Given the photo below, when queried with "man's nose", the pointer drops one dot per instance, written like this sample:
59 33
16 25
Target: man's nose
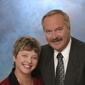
54 34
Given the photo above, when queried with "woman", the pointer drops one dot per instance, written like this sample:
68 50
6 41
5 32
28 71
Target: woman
25 55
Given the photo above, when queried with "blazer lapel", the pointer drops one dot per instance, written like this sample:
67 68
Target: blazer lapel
51 69
12 78
49 65
73 68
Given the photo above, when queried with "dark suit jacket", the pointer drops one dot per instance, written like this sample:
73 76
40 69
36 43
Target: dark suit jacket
75 74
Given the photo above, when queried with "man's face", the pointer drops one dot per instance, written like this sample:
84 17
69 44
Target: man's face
56 31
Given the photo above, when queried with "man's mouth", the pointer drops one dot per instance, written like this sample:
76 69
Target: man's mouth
56 40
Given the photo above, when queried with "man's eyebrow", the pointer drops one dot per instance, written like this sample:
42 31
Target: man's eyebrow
60 27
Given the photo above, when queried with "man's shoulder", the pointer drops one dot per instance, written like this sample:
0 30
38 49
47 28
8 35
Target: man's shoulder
78 47
46 50
46 46
78 42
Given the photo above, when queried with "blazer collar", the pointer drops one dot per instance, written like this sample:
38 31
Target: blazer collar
12 78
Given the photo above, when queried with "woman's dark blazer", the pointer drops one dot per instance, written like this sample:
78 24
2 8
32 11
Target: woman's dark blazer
12 80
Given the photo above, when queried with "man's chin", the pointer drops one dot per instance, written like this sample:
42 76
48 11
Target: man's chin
56 47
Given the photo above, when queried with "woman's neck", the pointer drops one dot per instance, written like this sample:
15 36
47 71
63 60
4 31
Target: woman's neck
23 79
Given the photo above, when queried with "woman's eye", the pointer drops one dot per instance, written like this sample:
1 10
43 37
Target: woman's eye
35 57
24 55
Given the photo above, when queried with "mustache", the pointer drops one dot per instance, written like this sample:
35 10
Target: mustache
56 39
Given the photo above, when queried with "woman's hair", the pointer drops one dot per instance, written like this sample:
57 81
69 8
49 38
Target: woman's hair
26 43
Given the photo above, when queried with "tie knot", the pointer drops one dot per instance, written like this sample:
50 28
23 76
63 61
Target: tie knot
59 56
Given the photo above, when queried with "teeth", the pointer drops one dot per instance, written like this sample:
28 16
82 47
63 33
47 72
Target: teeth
27 66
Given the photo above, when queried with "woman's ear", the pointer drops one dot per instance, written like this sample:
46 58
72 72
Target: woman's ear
14 58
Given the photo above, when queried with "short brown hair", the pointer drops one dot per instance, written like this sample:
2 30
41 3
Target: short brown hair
26 43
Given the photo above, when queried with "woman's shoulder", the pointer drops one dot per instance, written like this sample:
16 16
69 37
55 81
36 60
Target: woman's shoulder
38 81
5 82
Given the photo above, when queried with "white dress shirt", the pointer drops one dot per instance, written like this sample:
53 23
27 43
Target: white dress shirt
65 54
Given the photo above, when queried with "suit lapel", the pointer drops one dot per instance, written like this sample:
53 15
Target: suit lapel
73 66
50 67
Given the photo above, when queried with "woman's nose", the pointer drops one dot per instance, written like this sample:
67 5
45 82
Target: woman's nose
29 60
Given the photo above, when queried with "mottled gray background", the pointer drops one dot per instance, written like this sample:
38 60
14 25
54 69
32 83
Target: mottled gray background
23 17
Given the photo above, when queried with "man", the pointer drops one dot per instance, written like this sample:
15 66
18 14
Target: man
56 26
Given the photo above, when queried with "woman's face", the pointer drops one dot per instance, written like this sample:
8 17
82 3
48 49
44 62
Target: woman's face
26 61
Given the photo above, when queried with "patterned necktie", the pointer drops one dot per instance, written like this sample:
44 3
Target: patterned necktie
60 70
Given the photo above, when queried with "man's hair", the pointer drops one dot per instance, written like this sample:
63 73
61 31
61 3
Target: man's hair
26 43
54 12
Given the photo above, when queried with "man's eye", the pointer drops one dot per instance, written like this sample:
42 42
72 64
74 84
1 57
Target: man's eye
48 31
59 29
